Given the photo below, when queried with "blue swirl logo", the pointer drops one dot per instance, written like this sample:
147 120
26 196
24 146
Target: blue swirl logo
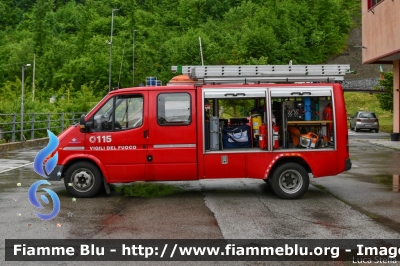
44 163
34 201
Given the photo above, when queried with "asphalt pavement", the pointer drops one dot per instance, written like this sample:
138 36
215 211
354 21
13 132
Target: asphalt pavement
372 185
380 139
359 203
384 143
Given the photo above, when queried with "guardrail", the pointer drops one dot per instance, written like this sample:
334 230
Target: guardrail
34 125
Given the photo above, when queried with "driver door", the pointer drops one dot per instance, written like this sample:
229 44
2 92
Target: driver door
118 138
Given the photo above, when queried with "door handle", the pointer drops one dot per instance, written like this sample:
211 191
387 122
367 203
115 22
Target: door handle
301 93
149 158
145 134
235 94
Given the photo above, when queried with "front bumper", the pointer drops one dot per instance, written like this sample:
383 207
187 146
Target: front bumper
56 174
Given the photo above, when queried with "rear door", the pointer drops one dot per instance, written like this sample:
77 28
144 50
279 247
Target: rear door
367 119
118 137
172 136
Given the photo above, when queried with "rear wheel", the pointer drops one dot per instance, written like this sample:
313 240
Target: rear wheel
290 181
356 129
83 180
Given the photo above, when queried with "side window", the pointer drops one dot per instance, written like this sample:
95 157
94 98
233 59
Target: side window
128 112
173 109
119 113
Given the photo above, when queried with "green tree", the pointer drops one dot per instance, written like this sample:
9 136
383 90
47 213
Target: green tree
42 29
69 38
10 14
386 99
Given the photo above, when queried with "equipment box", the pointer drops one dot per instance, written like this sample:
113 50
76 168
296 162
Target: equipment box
214 133
294 115
294 111
238 121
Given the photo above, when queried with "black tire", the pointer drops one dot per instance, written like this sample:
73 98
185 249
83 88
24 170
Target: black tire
376 130
83 180
290 181
356 129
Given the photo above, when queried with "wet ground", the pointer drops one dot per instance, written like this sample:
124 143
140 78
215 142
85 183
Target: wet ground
372 185
361 203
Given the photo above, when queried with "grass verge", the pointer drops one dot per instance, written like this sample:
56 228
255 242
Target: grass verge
357 101
147 190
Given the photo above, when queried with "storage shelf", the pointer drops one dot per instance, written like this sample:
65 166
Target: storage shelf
308 123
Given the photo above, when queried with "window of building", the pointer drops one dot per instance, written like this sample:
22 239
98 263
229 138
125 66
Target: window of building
173 109
372 3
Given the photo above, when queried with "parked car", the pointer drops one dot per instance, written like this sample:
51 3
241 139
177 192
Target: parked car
364 120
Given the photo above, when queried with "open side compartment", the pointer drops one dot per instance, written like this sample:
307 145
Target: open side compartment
233 118
305 117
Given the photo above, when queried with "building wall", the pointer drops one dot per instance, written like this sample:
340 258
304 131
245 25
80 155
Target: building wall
396 96
381 37
380 29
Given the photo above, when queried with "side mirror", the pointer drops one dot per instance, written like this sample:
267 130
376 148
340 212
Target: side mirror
82 123
85 127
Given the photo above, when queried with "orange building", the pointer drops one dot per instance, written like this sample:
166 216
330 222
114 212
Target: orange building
381 42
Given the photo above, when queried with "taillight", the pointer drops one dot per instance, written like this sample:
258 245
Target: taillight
376 120
358 120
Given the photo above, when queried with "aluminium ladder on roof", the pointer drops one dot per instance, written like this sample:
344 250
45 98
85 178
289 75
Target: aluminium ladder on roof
264 73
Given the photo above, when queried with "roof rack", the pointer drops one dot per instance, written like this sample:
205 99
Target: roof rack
264 73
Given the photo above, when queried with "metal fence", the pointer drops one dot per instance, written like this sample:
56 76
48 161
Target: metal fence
34 125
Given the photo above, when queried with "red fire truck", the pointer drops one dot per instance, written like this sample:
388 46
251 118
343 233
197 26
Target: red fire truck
278 123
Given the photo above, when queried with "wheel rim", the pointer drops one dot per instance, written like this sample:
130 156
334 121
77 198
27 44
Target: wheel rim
290 181
82 180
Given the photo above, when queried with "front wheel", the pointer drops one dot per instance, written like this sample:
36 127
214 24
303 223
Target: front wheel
83 180
290 181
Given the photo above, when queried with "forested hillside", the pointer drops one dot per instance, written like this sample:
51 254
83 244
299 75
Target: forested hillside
70 40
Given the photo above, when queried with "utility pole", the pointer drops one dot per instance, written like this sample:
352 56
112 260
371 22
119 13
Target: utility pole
22 101
133 58
112 26
33 78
